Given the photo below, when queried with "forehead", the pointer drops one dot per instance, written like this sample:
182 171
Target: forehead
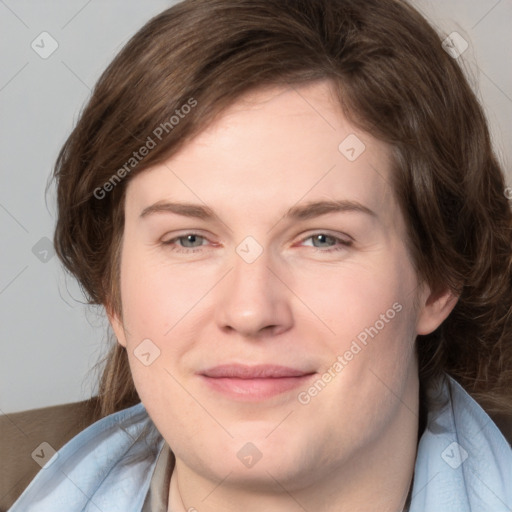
273 148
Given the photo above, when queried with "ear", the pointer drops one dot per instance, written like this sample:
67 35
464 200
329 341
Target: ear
434 309
117 326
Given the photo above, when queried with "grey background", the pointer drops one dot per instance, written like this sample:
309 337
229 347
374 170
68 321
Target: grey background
49 337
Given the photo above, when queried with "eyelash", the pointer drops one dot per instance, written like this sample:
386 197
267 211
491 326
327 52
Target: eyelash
342 244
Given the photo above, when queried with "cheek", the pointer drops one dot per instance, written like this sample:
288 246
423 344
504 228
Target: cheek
157 296
371 319
371 312
355 297
163 312
368 360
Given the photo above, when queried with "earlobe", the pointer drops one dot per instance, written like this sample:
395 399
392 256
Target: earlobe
434 310
117 326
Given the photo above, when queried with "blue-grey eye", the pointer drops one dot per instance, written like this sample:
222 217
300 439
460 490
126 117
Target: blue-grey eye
322 239
191 240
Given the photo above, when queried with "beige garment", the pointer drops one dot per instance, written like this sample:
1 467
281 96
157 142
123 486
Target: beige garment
158 493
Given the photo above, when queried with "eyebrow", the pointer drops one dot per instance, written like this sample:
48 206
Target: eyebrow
299 212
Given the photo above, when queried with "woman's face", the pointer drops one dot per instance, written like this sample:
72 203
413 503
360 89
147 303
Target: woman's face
273 238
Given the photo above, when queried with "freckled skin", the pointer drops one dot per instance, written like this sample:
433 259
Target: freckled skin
300 303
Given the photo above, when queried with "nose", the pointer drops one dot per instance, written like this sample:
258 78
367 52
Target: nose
252 300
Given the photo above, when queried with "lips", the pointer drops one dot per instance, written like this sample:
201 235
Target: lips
254 383
264 371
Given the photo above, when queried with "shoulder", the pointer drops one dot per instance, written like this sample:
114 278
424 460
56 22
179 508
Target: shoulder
24 435
464 461
106 466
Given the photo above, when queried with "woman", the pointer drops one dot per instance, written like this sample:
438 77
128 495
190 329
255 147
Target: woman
293 216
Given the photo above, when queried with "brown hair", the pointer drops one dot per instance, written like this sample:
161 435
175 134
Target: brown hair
394 80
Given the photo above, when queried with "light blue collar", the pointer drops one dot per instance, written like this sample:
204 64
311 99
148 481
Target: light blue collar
105 468
464 464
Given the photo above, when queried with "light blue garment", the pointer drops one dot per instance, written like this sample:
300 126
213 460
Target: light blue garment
464 464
